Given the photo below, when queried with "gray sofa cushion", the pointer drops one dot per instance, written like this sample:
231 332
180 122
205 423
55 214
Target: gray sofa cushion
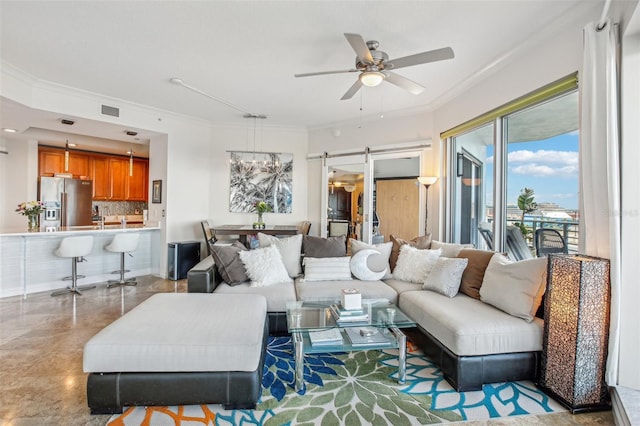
277 295
470 327
228 261
315 290
324 247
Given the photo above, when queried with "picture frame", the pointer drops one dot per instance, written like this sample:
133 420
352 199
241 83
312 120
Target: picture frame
156 192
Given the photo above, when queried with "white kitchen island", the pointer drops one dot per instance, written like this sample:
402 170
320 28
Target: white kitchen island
28 265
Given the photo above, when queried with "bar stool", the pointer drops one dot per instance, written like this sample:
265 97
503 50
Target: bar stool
123 243
75 248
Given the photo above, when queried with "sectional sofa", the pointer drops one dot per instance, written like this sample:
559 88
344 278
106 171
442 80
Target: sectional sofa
475 310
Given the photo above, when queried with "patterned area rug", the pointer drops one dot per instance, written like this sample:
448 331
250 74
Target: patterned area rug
354 388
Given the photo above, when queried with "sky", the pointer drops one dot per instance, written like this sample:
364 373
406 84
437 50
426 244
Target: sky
549 167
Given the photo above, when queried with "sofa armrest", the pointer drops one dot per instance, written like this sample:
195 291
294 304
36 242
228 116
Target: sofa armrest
203 277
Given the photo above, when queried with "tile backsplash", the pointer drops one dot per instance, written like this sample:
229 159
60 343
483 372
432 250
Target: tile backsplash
112 208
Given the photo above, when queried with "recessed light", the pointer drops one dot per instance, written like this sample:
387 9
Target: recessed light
9 130
67 122
131 133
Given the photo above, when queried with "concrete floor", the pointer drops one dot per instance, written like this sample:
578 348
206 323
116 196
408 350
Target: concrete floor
41 343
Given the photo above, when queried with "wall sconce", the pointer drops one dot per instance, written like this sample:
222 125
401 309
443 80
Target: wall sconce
460 165
576 332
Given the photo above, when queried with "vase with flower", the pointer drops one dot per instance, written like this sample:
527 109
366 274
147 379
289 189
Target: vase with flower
260 207
32 210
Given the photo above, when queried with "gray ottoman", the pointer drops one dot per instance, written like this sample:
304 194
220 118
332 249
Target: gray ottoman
180 349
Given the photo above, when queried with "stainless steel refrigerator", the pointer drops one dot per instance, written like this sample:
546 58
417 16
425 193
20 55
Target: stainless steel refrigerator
67 202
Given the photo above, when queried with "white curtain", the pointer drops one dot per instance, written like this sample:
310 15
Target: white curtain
600 165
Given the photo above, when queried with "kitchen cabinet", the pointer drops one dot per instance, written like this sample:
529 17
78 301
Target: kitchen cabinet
51 161
100 177
118 173
137 184
109 173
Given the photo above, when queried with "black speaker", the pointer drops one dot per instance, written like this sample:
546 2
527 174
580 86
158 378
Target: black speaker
182 257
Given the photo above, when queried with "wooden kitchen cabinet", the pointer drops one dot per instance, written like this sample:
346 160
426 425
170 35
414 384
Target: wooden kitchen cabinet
137 185
51 161
109 173
118 174
100 177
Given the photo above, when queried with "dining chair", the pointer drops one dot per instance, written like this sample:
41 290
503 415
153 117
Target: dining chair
208 235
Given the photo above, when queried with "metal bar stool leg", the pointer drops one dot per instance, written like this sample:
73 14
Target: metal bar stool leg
122 281
74 288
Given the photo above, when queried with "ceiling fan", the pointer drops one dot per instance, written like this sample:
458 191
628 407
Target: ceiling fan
375 67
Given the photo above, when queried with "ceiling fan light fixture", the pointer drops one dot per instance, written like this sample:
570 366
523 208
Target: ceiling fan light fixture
371 78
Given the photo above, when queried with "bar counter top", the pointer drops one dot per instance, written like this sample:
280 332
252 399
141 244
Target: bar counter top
29 265
62 230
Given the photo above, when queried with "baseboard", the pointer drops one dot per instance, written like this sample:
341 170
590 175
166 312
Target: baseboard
619 413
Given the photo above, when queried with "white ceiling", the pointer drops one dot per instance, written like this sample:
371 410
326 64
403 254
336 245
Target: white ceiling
247 53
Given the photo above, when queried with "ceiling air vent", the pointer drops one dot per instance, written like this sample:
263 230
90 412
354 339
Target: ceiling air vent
109 110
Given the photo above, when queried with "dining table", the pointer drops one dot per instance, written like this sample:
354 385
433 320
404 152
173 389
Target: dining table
243 231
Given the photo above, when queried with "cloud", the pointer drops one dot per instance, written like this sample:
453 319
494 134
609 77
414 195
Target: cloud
541 170
544 156
544 163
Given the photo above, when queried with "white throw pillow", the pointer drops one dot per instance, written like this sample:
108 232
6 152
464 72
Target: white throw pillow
327 268
515 287
414 264
376 262
289 248
264 266
445 276
359 267
449 249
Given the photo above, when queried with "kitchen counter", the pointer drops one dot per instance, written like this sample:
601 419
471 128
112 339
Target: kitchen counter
77 229
28 265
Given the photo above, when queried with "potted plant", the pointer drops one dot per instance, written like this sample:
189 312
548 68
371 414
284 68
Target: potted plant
260 207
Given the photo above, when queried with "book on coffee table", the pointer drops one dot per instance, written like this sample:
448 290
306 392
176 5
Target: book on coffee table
332 336
367 336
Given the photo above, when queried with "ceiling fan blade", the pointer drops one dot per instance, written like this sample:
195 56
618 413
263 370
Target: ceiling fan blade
404 83
421 58
352 90
309 74
357 43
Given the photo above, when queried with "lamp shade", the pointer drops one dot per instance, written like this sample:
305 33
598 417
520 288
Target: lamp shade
349 187
371 78
427 180
576 332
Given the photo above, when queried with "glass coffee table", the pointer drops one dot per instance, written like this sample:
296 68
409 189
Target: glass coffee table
311 323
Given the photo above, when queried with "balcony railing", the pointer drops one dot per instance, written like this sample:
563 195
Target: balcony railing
568 229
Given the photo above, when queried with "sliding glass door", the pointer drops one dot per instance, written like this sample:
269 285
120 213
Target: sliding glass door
516 170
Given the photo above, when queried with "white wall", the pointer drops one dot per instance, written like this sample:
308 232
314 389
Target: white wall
630 292
18 174
270 139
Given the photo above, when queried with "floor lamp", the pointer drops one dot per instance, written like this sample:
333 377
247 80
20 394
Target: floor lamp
427 181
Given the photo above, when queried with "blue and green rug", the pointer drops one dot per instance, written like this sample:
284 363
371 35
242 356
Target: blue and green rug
354 388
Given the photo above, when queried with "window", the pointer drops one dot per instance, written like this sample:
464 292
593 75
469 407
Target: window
516 169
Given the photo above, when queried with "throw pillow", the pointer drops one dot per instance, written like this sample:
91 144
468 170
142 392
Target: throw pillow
414 264
327 268
360 269
324 247
376 262
422 242
289 248
228 262
445 276
474 273
515 287
264 266
449 249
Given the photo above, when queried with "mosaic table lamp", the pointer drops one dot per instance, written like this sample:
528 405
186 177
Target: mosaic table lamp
576 332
